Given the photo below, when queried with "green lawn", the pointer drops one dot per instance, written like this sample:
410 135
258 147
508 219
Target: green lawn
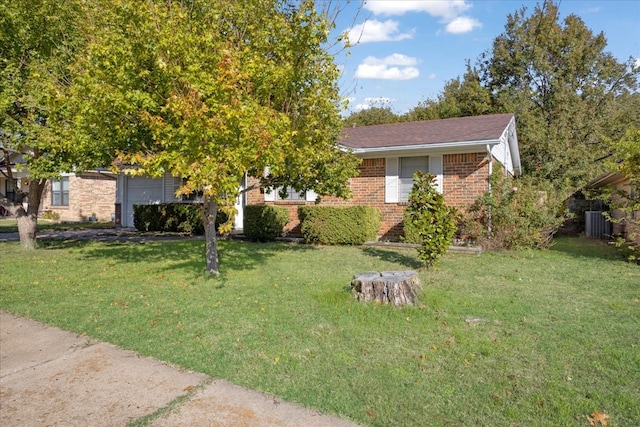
9 225
560 338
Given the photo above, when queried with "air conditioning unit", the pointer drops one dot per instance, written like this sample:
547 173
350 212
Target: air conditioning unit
596 225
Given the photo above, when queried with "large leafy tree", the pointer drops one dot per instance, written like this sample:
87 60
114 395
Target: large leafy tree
461 97
212 91
38 40
568 92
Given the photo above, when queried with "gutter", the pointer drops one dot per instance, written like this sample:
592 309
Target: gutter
441 145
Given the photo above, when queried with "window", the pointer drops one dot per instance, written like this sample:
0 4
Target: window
60 191
292 195
409 166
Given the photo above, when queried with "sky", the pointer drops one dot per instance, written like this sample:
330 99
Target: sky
405 51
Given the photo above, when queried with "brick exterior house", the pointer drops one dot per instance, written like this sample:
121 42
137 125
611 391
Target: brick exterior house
73 197
461 152
78 197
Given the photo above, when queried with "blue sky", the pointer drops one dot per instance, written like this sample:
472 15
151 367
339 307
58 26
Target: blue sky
409 49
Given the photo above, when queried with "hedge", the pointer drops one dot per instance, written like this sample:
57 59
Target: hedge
172 217
331 225
263 223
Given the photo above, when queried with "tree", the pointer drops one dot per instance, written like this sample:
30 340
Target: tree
565 90
212 91
428 221
459 98
626 160
371 116
38 39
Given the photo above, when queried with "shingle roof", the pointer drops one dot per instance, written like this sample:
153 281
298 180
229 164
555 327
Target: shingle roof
462 129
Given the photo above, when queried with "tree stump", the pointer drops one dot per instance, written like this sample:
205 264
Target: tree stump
399 288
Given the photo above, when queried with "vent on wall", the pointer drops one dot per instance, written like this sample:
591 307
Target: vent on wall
596 225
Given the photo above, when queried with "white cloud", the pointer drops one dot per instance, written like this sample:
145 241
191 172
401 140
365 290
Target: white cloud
377 31
393 67
393 59
442 9
462 24
450 12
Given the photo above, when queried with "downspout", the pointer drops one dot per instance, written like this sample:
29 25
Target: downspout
489 222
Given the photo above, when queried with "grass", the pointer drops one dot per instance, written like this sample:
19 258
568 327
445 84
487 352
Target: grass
9 225
558 340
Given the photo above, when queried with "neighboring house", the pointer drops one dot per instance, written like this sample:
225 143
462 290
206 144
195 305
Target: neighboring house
460 152
628 221
73 197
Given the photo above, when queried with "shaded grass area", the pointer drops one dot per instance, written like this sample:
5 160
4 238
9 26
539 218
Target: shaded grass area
554 335
9 225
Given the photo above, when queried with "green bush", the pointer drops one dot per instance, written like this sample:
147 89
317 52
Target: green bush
428 221
172 217
330 225
263 223
516 214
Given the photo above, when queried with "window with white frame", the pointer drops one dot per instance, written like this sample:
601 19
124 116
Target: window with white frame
60 191
292 195
407 167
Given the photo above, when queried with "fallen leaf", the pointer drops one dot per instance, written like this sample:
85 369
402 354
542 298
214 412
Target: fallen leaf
372 414
189 388
598 417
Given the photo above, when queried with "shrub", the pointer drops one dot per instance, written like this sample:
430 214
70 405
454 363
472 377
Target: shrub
330 225
263 223
516 214
428 221
52 215
171 217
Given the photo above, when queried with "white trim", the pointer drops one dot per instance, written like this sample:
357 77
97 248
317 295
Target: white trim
391 180
311 196
269 195
436 168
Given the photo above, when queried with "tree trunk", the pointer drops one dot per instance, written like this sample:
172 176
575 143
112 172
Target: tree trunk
399 288
28 219
210 212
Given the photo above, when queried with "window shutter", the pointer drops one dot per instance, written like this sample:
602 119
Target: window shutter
435 168
269 193
391 180
269 197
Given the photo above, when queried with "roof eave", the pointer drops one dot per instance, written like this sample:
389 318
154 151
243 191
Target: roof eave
435 147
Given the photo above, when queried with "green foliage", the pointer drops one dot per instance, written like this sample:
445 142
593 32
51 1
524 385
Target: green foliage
263 223
172 217
515 214
330 225
459 98
428 220
371 116
626 160
212 91
565 89
50 215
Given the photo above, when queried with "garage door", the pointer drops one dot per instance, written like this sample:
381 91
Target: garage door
140 190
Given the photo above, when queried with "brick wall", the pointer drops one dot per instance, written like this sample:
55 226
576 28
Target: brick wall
88 194
464 179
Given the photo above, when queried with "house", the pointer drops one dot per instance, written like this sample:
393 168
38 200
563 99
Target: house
626 224
73 197
460 152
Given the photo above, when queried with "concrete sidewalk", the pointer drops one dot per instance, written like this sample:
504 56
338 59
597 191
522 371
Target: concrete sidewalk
51 377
